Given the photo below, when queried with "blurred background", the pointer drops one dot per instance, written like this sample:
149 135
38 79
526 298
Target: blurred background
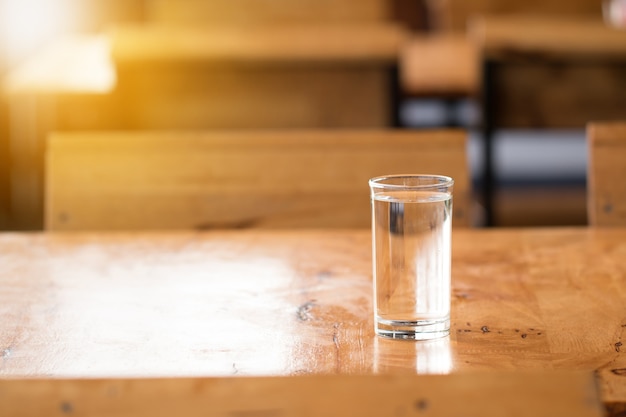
169 64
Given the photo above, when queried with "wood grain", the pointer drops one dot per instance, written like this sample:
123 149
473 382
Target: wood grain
238 179
281 303
606 167
488 394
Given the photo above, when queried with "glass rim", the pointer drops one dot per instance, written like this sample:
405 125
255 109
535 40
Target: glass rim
438 181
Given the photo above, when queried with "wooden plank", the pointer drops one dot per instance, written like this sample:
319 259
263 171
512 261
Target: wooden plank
490 394
271 98
606 199
238 179
454 15
329 43
246 12
549 38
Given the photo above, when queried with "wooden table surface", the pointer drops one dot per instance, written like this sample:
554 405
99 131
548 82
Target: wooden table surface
281 303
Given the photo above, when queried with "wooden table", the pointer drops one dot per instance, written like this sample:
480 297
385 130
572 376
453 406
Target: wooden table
546 72
284 303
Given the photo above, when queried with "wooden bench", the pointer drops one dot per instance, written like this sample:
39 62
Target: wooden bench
606 188
305 76
275 12
226 179
425 68
240 64
296 64
444 63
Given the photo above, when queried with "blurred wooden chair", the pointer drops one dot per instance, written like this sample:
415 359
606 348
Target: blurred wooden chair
606 189
445 63
533 87
227 179
250 64
439 66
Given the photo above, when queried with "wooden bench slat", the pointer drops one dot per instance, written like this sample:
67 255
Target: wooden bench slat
234 179
231 12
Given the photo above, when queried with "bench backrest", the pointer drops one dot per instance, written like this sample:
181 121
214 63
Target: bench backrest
226 179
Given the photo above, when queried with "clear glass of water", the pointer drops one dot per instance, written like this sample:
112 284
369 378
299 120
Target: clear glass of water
411 233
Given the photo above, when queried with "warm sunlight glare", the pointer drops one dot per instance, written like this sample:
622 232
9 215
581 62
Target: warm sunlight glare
29 24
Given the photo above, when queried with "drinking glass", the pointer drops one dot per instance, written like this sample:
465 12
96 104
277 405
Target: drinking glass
411 233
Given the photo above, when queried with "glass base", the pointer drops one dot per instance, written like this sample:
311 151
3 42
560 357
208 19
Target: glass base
413 330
